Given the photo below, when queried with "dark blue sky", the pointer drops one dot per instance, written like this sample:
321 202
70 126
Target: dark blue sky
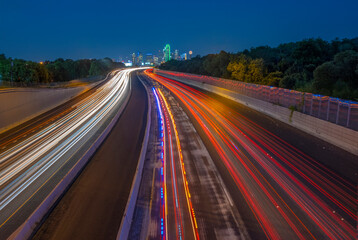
48 29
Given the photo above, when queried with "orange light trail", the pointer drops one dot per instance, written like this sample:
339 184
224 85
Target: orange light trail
169 120
277 180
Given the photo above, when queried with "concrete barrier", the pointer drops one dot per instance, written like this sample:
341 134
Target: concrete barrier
339 136
18 105
26 230
132 199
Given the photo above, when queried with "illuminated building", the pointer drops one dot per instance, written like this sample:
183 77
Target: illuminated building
139 59
156 60
176 54
133 59
166 52
149 59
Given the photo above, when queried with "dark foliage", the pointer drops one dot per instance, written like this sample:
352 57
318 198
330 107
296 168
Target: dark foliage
311 65
59 70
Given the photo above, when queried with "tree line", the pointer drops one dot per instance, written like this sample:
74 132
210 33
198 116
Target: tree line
60 70
311 65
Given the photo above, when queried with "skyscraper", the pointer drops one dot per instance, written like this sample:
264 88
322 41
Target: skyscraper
156 60
148 59
166 52
140 61
133 59
176 54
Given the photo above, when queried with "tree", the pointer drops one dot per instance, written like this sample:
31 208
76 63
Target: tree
273 78
82 67
256 71
239 69
58 71
40 73
312 51
216 64
5 68
338 76
97 68
247 70
289 81
347 63
325 76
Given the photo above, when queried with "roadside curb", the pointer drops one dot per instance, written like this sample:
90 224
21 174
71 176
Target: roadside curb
127 218
29 227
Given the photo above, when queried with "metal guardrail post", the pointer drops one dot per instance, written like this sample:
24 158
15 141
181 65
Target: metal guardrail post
338 103
348 114
328 108
269 94
319 106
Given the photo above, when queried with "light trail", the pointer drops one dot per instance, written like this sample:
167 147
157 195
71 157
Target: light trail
170 127
163 191
27 161
289 193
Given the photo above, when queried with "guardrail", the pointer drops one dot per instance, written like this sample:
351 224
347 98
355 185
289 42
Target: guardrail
335 134
334 110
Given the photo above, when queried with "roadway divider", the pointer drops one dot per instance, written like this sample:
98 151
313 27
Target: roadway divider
339 136
30 226
127 218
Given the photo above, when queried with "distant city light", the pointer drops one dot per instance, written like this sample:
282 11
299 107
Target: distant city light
166 52
160 56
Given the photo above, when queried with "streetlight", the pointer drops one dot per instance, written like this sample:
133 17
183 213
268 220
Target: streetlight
190 53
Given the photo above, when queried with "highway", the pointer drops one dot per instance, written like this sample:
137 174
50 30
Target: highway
285 184
178 175
94 205
214 169
34 158
177 212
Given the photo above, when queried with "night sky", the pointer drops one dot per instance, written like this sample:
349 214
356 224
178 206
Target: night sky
45 30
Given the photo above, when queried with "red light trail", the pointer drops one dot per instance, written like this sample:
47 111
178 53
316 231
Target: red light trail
289 193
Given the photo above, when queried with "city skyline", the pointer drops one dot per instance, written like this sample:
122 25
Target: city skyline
185 119
46 30
140 58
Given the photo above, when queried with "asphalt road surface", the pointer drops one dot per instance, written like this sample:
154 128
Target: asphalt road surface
285 183
181 190
94 205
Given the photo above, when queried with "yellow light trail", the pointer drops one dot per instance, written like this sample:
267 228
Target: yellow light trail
183 172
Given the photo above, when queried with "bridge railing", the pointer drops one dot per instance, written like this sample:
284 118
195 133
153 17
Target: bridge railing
335 110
